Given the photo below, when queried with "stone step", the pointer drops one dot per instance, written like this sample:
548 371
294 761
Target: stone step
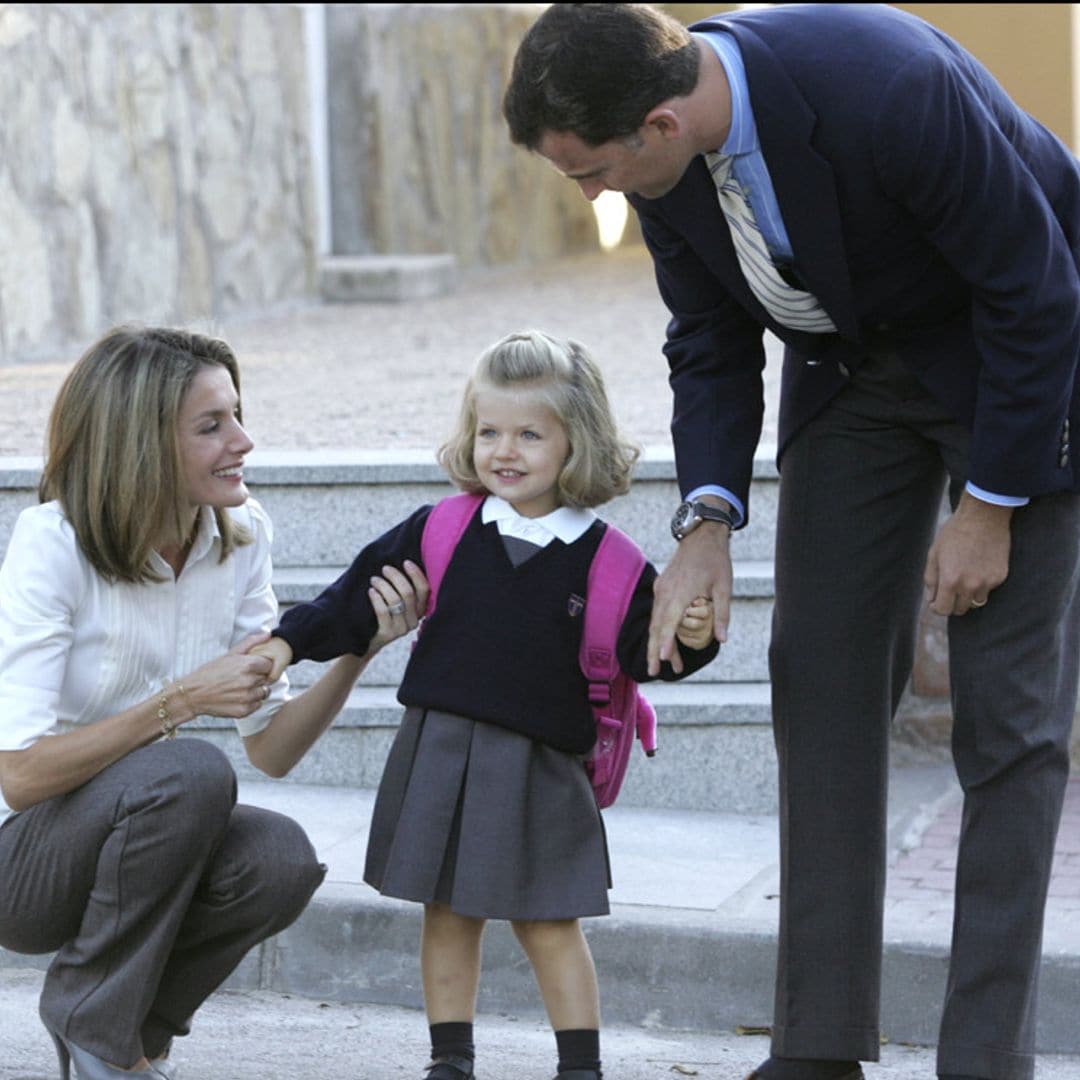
714 748
743 659
326 505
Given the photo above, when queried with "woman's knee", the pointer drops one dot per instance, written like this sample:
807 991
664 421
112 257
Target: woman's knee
206 771
186 783
271 859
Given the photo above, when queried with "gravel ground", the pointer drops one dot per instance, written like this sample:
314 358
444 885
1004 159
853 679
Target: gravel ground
385 375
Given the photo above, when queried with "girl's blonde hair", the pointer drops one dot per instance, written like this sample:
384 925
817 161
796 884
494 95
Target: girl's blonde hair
112 456
600 463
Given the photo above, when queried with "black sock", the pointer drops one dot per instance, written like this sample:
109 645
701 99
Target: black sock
452 1040
579 1048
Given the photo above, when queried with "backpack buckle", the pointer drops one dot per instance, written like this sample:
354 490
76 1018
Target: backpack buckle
599 694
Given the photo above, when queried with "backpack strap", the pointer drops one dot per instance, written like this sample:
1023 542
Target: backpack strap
445 525
613 577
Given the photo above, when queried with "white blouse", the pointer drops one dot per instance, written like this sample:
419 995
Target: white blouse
75 649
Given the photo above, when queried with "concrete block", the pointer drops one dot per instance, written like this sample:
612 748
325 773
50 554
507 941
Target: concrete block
350 279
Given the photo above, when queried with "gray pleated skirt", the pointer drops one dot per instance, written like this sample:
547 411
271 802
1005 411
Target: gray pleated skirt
488 822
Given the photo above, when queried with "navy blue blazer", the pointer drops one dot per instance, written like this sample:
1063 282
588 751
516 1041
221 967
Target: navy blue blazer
926 212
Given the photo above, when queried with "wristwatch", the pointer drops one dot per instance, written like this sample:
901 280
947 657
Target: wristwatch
691 514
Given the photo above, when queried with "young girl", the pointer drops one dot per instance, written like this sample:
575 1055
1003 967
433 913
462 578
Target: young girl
485 809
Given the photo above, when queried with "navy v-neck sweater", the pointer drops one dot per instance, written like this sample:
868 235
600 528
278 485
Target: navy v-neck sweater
502 645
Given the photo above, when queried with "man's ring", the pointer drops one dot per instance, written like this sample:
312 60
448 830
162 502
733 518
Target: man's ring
398 608
266 691
978 603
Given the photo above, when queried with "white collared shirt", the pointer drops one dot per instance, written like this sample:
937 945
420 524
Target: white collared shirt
565 523
75 649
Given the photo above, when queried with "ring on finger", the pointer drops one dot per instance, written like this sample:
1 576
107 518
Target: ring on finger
398 608
978 603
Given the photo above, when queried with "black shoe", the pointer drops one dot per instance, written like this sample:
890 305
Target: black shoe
580 1074
450 1067
777 1068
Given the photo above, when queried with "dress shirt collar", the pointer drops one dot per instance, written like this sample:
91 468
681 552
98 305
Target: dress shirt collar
742 138
564 523
206 533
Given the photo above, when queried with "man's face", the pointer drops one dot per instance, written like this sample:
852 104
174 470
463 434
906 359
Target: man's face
647 164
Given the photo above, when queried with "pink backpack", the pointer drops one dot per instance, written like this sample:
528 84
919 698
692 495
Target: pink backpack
620 709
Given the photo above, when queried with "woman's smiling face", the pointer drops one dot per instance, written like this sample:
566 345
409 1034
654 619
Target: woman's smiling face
212 441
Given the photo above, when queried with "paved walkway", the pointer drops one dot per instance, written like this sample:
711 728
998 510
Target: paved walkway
920 884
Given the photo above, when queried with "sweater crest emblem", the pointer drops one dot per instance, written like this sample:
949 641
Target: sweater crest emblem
575 605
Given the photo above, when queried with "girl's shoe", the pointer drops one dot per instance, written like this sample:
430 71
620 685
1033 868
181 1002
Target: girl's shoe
88 1067
450 1067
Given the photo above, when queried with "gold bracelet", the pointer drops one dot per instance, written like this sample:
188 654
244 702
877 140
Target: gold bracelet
168 728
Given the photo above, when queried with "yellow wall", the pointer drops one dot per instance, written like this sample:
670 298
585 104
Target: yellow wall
688 13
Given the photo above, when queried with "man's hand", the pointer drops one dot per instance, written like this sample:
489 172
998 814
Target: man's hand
969 556
700 567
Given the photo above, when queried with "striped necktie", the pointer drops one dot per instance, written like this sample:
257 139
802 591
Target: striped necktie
790 306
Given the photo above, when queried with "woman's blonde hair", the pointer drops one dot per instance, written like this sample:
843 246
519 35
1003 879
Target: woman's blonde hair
600 463
112 456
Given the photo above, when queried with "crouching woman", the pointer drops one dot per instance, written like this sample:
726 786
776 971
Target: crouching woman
128 600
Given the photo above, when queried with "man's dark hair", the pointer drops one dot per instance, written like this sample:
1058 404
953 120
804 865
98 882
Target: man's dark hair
596 71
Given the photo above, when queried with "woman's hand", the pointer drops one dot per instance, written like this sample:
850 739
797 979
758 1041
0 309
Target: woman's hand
399 600
233 685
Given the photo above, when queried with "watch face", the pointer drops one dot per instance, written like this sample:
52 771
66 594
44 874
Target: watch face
682 519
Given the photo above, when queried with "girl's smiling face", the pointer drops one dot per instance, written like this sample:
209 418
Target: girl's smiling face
212 442
519 449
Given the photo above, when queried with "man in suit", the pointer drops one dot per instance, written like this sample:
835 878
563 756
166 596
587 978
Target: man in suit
849 178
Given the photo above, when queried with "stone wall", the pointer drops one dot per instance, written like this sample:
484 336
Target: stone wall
420 160
156 160
154 165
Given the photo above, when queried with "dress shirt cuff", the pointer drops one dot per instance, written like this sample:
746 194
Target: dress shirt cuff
737 507
996 500
261 717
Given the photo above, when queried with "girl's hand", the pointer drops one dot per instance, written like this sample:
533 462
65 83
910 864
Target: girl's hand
399 600
695 630
278 651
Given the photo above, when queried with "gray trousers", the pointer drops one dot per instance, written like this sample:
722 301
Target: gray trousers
860 494
150 884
